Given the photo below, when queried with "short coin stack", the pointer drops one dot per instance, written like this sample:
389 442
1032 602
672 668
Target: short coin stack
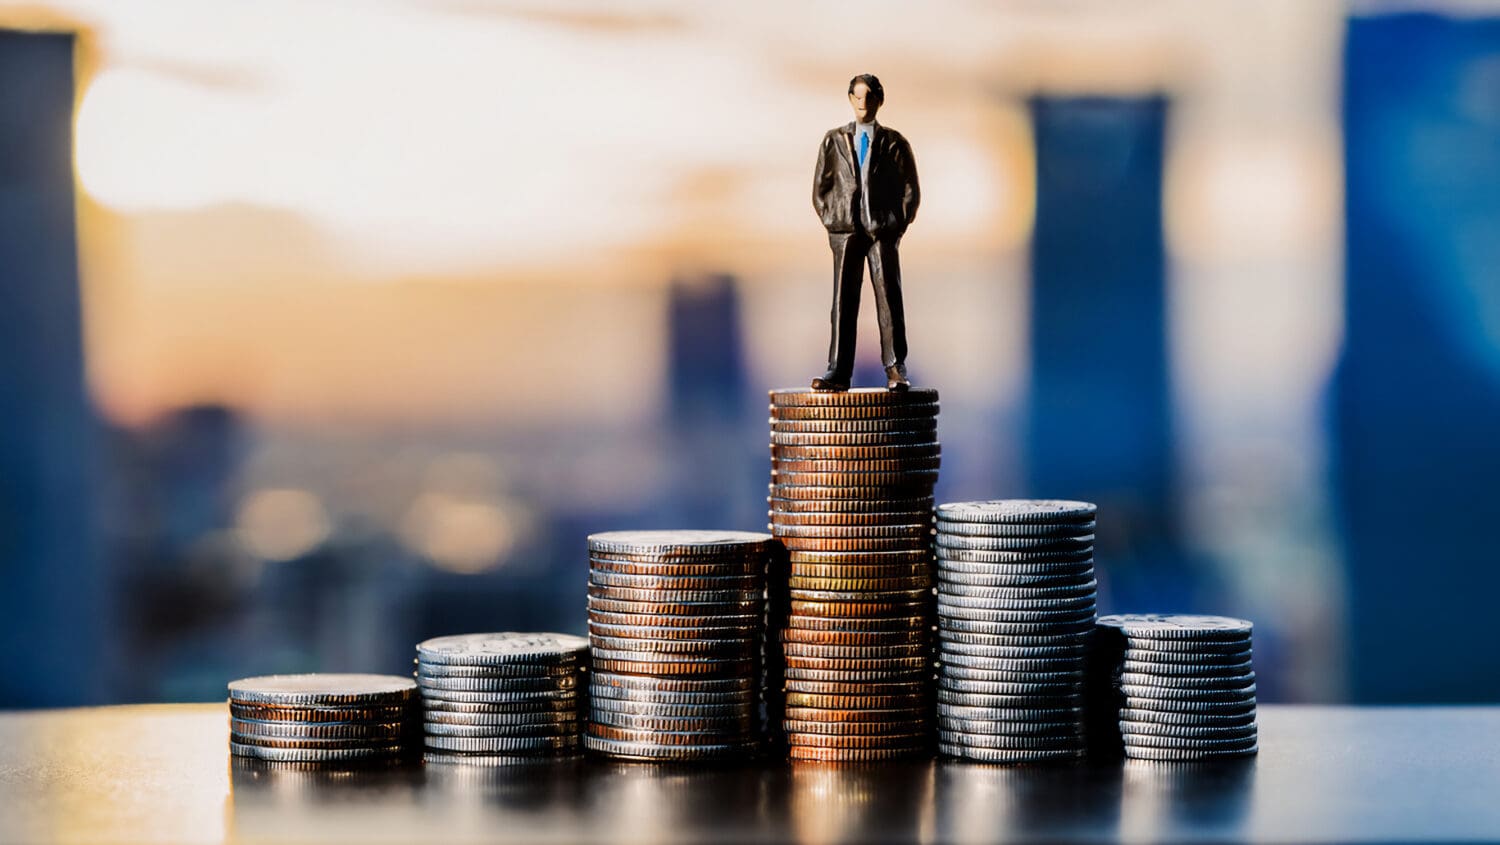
1180 687
1016 607
490 698
322 719
676 623
852 474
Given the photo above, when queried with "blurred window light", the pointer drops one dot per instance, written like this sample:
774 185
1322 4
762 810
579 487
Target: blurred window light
462 535
281 524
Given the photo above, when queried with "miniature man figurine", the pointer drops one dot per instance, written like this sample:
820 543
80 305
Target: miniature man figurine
865 192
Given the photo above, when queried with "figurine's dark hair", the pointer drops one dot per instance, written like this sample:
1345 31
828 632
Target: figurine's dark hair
870 80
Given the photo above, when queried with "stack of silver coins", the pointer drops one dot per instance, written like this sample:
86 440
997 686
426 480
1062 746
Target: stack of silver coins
493 698
852 474
1174 687
1016 607
322 719
676 624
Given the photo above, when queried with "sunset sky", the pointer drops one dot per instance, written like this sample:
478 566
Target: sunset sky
423 209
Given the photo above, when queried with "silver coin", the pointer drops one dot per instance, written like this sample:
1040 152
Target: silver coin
1177 626
1004 664
1136 705
1018 511
678 542
1072 545
365 732
1017 562
1032 529
1036 606
1137 691
490 731
449 717
501 648
1035 619
323 689
992 701
949 621
1240 730
1066 687
1184 754
1187 670
1042 715
429 696
983 575
651 751
999 755
969 673
498 685
1018 639
745 707
500 744
1067 727
507 703
1182 660
680 698
1222 682
313 755
1184 743
1011 742
1208 718
737 725
451 758
1068 591
603 680
499 670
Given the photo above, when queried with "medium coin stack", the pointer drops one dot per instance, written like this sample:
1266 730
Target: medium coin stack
1016 607
1178 687
322 719
497 697
852 474
676 623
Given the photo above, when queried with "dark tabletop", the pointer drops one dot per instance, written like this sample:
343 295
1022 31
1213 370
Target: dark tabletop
163 773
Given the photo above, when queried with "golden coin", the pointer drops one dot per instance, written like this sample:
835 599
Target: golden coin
850 520
859 544
858 571
675 668
880 465
918 714
883 558
789 413
857 480
926 426
924 622
827 651
860 585
857 703
860 610
913 530
855 453
921 636
854 755
906 739
901 728
853 506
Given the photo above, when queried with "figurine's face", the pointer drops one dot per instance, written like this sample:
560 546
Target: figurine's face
864 104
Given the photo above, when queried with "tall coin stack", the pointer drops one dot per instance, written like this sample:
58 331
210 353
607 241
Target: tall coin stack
321 719
851 500
676 623
1176 686
492 698
1016 608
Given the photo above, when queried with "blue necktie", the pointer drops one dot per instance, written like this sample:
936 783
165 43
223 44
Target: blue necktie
864 147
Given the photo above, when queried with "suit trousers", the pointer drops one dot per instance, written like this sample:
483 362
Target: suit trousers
850 252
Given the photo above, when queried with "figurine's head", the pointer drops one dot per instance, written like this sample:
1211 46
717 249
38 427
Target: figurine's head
866 96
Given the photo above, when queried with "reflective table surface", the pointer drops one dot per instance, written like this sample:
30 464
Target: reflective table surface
163 774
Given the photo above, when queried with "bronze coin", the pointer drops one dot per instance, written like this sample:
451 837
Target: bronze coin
689 542
898 479
796 396
696 610
860 609
859 571
855 453
913 661
742 647
825 496
692 623
679 633
883 597
857 652
894 740
858 702
892 675
852 506
869 544
851 520
923 622
913 584
673 596
915 531
914 636
873 466
274 713
920 437
664 737
884 558
925 425
901 728
647 683
918 714
675 668
854 755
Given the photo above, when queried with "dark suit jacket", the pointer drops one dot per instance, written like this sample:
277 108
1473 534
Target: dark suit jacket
889 205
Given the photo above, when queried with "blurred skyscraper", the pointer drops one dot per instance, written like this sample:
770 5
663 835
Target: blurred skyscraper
1099 420
1416 401
718 460
51 582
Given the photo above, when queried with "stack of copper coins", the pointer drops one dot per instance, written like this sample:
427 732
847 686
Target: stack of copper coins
676 624
322 719
851 500
489 699
1016 608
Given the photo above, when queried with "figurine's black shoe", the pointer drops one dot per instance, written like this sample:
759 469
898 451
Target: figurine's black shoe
830 382
895 378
